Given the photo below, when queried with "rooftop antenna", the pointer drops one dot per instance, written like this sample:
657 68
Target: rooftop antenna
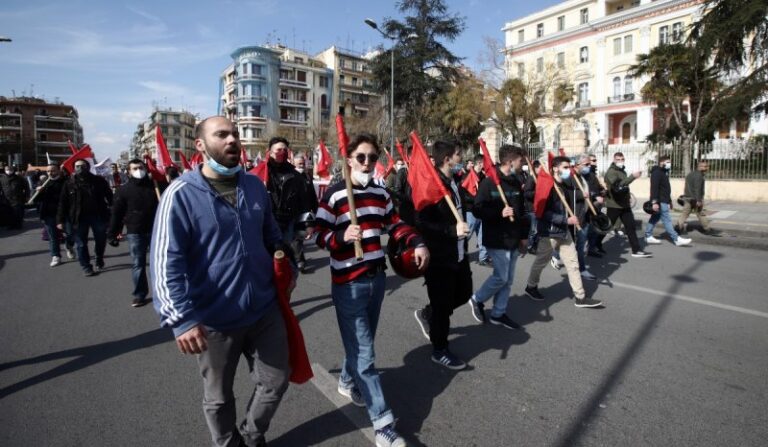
294 37
32 90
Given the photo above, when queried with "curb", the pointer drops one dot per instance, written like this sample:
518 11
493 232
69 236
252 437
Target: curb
728 237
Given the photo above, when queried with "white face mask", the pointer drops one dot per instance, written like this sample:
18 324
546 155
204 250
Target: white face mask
362 178
138 173
525 168
300 170
619 165
668 165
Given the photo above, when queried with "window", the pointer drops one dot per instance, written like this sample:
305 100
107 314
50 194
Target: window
323 81
254 111
664 35
42 137
583 94
324 101
354 81
341 79
540 30
298 60
584 13
628 44
560 60
256 69
521 36
561 23
628 85
617 88
301 76
677 32
617 46
520 69
584 55
244 69
539 65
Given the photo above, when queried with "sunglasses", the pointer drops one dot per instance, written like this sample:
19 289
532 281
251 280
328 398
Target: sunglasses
372 158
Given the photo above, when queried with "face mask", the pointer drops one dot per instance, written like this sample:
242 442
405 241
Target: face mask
138 173
8 172
593 168
457 168
300 170
668 165
525 168
585 170
619 165
565 174
220 168
399 167
281 156
362 178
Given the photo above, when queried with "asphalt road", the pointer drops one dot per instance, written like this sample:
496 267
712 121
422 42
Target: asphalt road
678 356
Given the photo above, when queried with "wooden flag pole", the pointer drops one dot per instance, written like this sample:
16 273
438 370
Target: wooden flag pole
568 209
343 140
584 193
34 196
504 199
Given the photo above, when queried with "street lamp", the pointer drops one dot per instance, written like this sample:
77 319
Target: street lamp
372 24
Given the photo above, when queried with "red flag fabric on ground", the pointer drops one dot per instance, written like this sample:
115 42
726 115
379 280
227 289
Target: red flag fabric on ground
490 167
301 370
163 156
243 156
544 183
184 163
260 171
153 171
341 133
426 186
83 153
72 147
471 182
401 151
324 162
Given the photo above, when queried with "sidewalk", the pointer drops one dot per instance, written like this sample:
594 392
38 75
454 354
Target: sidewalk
740 224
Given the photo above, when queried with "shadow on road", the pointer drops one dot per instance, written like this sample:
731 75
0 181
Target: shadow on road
83 358
589 410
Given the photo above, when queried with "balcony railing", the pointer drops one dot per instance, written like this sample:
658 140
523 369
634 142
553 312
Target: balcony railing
294 83
246 77
251 98
583 104
621 98
293 121
294 102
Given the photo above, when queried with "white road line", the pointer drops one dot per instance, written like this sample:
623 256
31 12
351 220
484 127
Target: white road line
327 384
691 299
723 214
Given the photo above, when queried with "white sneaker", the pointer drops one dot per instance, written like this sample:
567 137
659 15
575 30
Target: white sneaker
70 254
55 261
586 274
652 240
681 241
556 264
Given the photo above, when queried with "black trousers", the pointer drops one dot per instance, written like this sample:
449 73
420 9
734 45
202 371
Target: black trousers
448 287
628 219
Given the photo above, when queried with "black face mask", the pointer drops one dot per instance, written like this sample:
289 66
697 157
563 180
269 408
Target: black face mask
593 169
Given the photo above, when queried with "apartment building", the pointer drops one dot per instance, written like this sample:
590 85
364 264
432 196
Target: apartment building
32 127
591 45
178 128
353 79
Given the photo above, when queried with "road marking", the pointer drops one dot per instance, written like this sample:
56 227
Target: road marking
744 224
327 384
691 299
721 214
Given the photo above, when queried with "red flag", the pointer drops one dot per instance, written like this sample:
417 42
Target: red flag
82 154
390 165
379 171
324 162
402 152
260 171
196 159
163 156
471 182
426 186
243 156
153 171
490 167
341 133
72 147
301 371
544 183
184 162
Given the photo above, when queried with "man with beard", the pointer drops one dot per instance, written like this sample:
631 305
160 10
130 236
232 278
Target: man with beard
84 202
134 206
291 203
48 196
211 261
304 228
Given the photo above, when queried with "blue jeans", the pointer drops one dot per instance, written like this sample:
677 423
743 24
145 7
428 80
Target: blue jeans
53 236
500 282
665 218
139 244
358 304
99 229
476 226
533 232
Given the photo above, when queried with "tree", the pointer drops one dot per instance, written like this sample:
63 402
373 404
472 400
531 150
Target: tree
736 33
460 111
424 67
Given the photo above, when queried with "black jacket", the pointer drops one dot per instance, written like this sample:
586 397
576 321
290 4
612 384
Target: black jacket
554 223
437 225
49 197
15 189
595 190
661 191
499 232
694 186
84 196
134 206
291 201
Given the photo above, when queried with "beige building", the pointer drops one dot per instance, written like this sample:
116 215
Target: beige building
352 80
178 128
591 44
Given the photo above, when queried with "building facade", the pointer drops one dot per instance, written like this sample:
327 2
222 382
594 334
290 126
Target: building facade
31 129
591 44
274 90
353 79
178 128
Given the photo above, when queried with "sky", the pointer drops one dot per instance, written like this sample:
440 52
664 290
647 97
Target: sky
115 60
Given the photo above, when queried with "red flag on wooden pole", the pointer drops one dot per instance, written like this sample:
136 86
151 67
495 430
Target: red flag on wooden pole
72 147
544 183
490 167
154 172
471 182
401 151
426 186
163 156
184 163
260 171
324 161
82 154
196 159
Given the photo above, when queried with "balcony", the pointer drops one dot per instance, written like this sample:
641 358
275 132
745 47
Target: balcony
252 119
293 122
621 98
583 104
251 77
294 103
285 82
251 98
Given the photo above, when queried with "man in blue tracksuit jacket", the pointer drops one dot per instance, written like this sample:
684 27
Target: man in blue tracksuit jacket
212 275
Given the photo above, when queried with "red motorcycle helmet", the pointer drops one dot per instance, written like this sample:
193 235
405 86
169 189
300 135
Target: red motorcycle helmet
402 257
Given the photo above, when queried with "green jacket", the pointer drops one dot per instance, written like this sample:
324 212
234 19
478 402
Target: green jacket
617 183
694 186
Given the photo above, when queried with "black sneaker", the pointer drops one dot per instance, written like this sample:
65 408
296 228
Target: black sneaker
594 254
505 321
446 358
587 302
89 272
485 262
138 302
601 251
423 321
640 254
533 293
478 310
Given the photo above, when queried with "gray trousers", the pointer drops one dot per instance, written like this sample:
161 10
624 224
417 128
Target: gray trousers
265 347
